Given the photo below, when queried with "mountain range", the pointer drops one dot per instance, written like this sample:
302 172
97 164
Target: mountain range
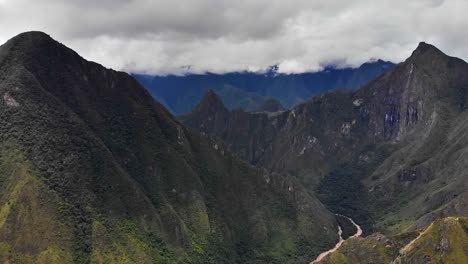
390 155
249 90
93 169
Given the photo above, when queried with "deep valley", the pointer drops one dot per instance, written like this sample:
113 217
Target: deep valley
93 169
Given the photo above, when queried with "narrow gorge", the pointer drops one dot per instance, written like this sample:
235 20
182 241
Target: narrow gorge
340 242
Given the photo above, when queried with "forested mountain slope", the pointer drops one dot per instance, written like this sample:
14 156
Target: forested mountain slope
94 170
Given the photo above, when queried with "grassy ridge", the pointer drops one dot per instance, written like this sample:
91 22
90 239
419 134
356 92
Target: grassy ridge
443 241
31 230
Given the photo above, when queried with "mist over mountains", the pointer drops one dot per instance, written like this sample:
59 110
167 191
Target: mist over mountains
249 90
233 132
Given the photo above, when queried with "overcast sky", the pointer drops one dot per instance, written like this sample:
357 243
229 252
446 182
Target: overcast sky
176 36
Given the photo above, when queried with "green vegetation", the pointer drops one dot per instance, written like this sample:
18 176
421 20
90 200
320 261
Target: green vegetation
96 171
343 191
346 226
101 173
444 241
124 243
27 209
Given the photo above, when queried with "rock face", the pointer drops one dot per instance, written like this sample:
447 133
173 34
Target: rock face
390 155
422 104
412 94
248 90
92 169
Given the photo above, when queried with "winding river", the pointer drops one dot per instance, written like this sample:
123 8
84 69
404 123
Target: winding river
340 242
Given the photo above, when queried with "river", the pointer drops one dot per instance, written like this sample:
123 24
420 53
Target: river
340 242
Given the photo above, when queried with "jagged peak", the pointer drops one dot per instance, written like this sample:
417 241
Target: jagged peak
423 45
425 49
211 101
211 96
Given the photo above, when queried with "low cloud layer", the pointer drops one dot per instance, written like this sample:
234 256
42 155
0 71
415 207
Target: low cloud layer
178 36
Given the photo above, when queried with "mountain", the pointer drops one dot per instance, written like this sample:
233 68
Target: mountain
391 155
247 134
181 93
94 170
234 98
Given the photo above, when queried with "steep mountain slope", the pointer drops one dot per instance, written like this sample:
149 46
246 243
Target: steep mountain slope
92 169
443 241
391 155
181 93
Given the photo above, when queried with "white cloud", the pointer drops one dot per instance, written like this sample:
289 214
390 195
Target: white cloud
175 36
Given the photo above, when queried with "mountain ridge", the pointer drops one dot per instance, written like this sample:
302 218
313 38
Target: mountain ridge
114 177
441 242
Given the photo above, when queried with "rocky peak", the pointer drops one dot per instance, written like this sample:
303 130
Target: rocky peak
427 51
209 114
211 103
412 92
40 49
423 46
30 41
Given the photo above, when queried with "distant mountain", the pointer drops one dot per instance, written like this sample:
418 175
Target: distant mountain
391 155
270 106
94 170
235 98
249 90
